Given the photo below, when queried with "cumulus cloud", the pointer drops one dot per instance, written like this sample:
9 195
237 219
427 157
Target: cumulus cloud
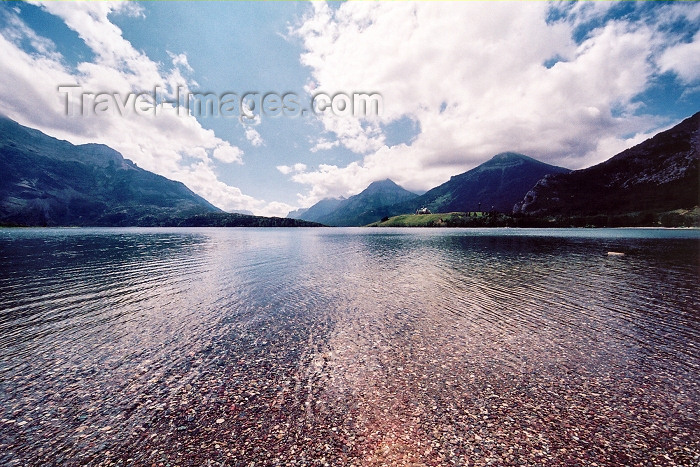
170 144
252 135
228 154
296 168
683 59
480 78
322 144
16 31
180 60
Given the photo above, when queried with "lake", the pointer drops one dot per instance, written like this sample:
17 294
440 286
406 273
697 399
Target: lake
349 347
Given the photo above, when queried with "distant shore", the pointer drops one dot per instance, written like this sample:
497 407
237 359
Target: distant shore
679 218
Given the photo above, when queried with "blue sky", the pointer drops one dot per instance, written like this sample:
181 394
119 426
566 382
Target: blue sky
569 83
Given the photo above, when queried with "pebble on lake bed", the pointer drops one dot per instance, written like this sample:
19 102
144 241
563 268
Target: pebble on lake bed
345 349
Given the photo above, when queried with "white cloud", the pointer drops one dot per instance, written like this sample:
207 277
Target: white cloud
175 146
296 168
228 154
16 31
473 77
683 59
252 135
322 144
180 60
227 197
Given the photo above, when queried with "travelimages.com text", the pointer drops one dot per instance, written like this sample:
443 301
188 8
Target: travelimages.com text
246 106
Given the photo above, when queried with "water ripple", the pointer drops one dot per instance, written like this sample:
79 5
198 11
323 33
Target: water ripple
348 346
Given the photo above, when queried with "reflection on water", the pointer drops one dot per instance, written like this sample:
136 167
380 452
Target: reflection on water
349 347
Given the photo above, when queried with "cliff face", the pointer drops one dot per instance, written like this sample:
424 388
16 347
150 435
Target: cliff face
46 181
659 174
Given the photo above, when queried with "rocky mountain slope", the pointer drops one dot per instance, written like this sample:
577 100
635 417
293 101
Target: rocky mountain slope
497 184
318 210
46 181
659 174
360 209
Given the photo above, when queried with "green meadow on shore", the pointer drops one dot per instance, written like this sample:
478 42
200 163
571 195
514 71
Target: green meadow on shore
450 219
675 218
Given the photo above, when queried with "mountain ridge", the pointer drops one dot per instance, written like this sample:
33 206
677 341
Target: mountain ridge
51 182
661 173
48 181
495 185
652 183
318 210
359 209
368 205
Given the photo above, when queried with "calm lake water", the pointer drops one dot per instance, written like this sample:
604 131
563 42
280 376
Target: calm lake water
349 347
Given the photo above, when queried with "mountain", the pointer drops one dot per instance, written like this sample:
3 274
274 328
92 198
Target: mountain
297 213
47 181
360 209
497 184
660 174
368 205
318 210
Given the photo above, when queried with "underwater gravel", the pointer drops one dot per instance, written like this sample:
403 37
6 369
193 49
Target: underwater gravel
345 350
